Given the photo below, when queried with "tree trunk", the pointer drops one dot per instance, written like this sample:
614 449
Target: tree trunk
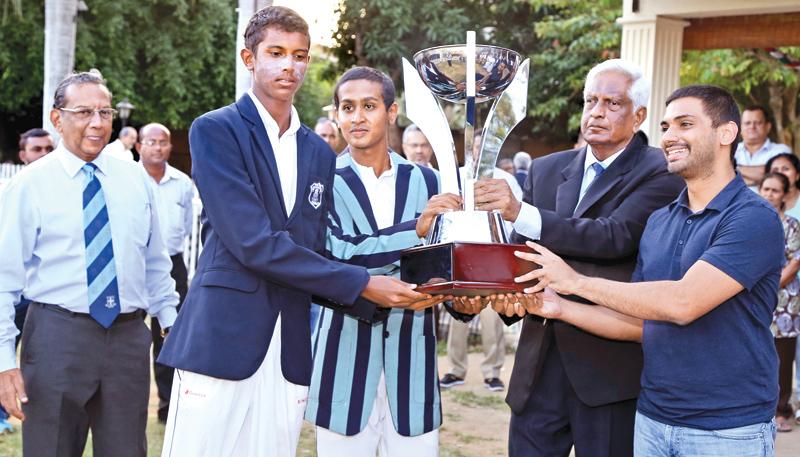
245 11
60 17
791 130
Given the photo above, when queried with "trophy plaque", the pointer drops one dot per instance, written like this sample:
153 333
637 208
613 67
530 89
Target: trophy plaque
466 253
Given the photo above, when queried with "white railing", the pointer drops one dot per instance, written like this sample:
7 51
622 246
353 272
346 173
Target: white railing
8 170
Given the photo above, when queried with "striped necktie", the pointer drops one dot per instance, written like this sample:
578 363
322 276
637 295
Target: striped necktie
101 274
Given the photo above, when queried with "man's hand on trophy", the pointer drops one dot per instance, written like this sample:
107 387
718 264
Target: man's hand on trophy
495 194
554 272
511 305
438 204
470 305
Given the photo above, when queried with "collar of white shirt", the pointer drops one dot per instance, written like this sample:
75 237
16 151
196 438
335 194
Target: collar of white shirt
590 159
365 171
269 122
72 163
170 172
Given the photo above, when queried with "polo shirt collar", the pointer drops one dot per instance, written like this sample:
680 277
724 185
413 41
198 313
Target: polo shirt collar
721 201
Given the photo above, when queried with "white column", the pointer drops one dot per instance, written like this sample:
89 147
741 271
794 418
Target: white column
245 11
655 44
60 17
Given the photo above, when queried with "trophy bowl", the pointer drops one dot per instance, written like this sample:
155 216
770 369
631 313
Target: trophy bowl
444 70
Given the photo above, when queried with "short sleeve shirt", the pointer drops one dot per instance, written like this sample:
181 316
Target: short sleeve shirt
719 371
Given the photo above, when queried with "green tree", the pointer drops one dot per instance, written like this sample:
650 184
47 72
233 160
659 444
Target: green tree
316 91
753 77
563 39
173 59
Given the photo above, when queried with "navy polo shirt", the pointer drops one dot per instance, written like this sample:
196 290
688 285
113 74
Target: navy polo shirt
720 371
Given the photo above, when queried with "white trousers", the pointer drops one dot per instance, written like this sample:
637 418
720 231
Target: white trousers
379 435
259 416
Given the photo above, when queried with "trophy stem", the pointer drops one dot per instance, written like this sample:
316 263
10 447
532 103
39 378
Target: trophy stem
469 126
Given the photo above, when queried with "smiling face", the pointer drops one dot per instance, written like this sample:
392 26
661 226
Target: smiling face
689 140
362 116
609 119
278 64
84 137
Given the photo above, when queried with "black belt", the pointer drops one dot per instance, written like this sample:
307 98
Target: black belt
122 317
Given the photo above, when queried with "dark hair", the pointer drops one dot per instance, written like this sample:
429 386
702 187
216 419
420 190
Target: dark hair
718 104
761 108
32 133
279 17
780 177
369 74
76 79
791 158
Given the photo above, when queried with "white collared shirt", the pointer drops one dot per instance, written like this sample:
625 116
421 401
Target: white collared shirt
173 197
529 219
381 192
767 151
117 149
285 149
43 250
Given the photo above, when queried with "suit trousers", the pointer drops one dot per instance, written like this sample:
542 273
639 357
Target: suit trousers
492 339
555 419
162 373
80 376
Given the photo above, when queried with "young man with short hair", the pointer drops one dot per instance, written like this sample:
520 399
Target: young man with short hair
374 386
702 296
241 345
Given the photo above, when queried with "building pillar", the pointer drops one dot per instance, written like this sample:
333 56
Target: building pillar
655 44
245 10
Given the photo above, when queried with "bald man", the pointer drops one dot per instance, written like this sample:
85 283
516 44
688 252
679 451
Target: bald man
121 147
328 131
173 196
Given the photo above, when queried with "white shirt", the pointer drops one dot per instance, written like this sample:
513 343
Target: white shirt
285 149
41 236
380 191
173 197
529 219
117 149
767 151
500 174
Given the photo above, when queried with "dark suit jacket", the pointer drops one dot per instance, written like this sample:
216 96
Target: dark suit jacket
257 260
598 238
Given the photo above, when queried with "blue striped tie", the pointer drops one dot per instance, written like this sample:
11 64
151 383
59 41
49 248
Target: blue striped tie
101 274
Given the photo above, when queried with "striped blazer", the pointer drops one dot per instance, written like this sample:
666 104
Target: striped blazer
349 354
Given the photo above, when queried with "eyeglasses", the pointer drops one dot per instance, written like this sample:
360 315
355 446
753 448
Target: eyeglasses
162 143
40 148
87 113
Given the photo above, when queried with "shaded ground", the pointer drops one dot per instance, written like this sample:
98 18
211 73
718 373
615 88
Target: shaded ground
475 422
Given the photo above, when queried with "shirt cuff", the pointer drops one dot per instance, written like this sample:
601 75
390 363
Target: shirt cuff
167 316
529 222
8 355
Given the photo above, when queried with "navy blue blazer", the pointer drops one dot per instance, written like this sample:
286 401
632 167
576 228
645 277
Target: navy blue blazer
258 260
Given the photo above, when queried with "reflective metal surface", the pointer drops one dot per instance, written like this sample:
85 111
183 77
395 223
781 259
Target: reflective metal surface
468 226
444 71
507 111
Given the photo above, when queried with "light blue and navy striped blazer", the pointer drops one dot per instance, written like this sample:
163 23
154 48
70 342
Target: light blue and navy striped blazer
349 354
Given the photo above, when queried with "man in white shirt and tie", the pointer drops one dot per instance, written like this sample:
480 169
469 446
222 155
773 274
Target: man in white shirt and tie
173 191
79 236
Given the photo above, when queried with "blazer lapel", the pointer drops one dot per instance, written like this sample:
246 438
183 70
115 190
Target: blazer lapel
402 185
304 160
247 109
613 175
570 188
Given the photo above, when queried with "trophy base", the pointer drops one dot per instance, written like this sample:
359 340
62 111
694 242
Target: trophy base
465 268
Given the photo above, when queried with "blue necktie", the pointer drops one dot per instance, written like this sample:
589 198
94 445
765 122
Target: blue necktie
598 170
101 274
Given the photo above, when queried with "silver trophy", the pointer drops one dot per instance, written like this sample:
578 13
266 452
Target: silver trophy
460 244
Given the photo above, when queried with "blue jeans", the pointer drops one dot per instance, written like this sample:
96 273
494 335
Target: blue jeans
654 439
